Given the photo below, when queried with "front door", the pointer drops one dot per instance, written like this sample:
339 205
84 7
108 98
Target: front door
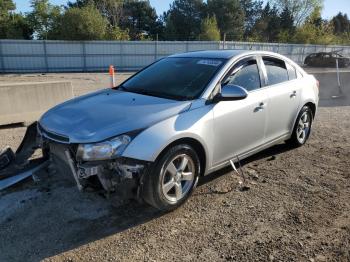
239 125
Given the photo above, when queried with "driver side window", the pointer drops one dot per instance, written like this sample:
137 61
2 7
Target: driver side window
245 75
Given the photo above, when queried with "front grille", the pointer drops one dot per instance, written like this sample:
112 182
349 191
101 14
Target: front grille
53 136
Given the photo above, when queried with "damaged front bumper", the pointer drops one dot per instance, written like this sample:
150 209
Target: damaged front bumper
122 176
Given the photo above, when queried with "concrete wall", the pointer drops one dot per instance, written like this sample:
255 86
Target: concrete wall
18 56
26 102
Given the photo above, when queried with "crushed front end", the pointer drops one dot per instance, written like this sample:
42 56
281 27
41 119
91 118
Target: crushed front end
91 166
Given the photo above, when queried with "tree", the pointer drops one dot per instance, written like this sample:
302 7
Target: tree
341 23
84 23
267 27
252 12
43 18
300 9
17 27
183 20
140 18
115 33
111 9
315 30
210 30
12 25
230 17
287 28
6 6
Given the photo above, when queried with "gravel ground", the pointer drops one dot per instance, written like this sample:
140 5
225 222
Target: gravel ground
297 209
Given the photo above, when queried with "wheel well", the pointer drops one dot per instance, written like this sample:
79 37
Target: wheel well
197 146
313 108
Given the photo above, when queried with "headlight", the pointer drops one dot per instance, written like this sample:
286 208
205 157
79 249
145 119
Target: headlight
103 150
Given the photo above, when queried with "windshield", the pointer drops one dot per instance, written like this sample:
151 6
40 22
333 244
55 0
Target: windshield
174 78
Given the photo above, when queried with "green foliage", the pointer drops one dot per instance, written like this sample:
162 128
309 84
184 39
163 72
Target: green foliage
267 27
210 30
183 20
300 9
341 24
84 23
17 28
315 30
111 9
252 12
230 17
140 19
297 21
12 25
43 18
115 33
5 7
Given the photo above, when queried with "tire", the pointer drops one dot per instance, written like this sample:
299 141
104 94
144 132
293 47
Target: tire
168 184
302 128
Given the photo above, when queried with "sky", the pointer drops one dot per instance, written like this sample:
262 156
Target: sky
331 7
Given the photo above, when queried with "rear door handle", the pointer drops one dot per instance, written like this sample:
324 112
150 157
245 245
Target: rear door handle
294 94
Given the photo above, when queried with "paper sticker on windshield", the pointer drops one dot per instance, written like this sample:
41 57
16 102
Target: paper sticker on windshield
209 62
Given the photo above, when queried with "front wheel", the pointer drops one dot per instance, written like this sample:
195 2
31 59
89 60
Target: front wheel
302 128
172 179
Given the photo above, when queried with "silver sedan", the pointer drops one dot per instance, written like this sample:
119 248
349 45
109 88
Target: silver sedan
180 118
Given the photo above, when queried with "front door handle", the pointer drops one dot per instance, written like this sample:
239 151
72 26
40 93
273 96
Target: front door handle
294 94
260 107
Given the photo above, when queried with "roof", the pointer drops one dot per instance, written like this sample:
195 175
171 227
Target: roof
220 54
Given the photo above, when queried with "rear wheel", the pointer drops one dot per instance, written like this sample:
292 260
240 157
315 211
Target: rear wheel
302 128
173 178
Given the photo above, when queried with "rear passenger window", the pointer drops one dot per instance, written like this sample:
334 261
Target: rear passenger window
276 71
245 75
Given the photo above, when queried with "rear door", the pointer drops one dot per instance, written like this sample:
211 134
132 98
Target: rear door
284 92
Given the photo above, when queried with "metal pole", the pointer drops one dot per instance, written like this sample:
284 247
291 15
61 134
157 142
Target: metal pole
156 49
224 43
2 58
121 55
45 57
84 57
338 76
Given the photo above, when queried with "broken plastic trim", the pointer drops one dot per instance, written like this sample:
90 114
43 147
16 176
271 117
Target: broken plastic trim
15 167
35 167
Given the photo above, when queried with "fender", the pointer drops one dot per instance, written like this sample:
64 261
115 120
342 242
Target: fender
196 124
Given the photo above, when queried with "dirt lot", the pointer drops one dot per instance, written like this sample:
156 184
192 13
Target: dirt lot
297 208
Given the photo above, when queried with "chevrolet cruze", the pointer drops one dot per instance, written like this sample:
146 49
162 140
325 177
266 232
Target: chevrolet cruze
178 119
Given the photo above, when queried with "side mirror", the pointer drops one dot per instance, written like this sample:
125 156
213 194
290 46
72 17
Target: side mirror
231 93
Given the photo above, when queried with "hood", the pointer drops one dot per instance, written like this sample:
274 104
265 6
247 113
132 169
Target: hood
104 114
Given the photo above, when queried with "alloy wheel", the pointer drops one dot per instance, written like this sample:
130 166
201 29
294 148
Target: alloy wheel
303 128
178 178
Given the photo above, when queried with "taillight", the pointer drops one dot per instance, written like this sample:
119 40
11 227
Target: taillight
318 84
